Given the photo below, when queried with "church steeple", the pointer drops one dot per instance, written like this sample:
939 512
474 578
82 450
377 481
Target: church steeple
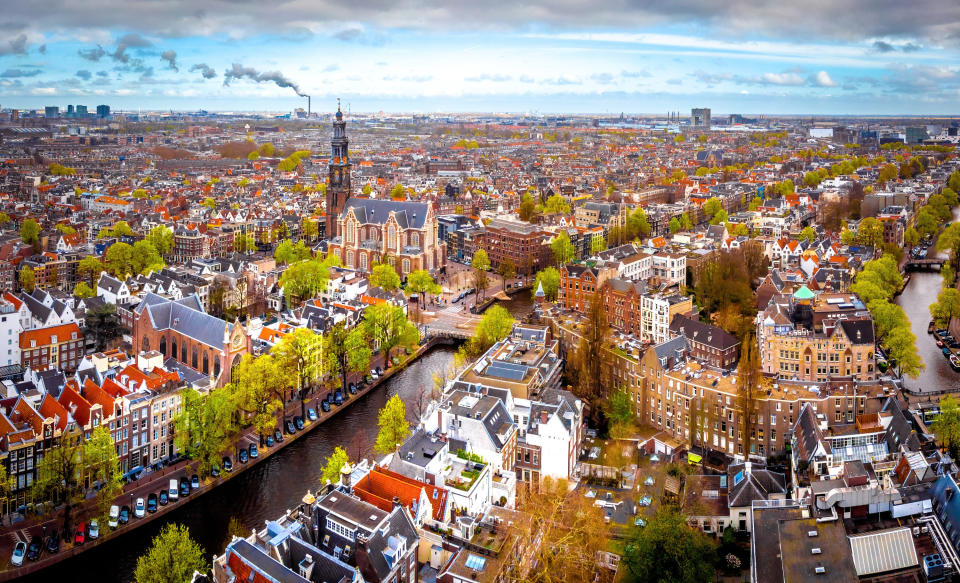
338 188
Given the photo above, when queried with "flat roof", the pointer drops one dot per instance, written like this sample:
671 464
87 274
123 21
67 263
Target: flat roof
883 551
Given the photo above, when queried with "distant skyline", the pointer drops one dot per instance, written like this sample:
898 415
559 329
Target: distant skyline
818 57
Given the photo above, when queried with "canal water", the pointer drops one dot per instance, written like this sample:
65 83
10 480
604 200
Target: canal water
923 289
261 493
520 304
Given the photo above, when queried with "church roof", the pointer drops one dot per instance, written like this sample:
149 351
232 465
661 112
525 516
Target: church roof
409 215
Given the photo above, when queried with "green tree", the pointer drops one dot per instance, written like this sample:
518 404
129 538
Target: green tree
28 279
712 206
668 550
493 327
30 231
398 191
384 276
388 327
901 344
287 252
90 266
66 229
306 279
480 264
4 218
347 351
927 222
619 413
205 426
83 291
335 463
161 237
507 270
598 243
394 427
946 426
719 218
244 243
103 466
870 232
173 557
144 257
310 229
808 234
556 204
887 173
549 277
674 225
299 355
528 208
685 223
255 381
911 236
637 225
119 260
60 474
420 282
563 250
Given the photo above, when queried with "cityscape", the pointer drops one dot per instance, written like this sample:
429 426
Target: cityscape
442 293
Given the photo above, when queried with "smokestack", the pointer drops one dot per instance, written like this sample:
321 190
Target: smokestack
308 106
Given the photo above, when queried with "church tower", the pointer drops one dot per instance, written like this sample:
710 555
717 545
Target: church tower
338 188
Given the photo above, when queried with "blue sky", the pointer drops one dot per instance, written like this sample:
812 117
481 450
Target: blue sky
868 57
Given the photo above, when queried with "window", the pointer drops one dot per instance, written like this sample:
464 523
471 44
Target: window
336 527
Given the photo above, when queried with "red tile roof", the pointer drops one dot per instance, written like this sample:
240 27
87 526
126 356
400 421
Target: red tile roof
44 336
50 408
75 404
380 486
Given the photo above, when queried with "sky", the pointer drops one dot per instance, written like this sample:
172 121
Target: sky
867 57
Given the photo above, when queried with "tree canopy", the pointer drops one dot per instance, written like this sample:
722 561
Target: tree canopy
172 557
394 427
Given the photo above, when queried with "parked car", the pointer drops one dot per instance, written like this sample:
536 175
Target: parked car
254 454
162 498
215 471
80 535
373 374
325 406
35 548
140 508
379 371
114 520
227 464
174 491
93 530
195 481
151 503
291 428
242 456
19 551
184 487
298 421
338 398
124 514
311 414
53 544
269 441
352 388
277 435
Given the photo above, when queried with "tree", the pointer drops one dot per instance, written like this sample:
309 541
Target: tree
161 237
549 278
306 279
719 218
394 427
911 236
90 266
310 228
507 270
598 244
28 279
570 532
4 218
205 426
30 232
144 258
103 466
83 291
557 205
335 463
667 549
947 306
748 389
494 326
901 344
887 173
563 250
870 232
383 275
685 223
173 557
66 229
637 225
103 325
808 234
674 225
592 356
946 426
927 222
287 252
389 328
256 381
712 207
347 351
244 243
619 412
480 264
299 355
420 282
119 260
60 474
528 208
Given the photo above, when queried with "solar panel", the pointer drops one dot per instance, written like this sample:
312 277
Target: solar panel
475 563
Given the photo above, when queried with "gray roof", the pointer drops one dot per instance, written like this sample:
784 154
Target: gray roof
409 215
184 318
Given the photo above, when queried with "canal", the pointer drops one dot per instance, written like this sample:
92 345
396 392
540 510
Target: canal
261 493
923 289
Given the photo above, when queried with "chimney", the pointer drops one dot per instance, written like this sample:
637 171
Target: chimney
396 502
544 417
345 472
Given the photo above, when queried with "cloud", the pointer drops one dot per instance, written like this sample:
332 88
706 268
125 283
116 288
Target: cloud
84 74
134 41
42 49
822 79
93 55
780 79
120 54
330 69
15 73
487 77
15 46
205 70
882 46
170 57
238 71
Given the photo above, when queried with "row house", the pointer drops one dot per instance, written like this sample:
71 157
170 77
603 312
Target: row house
706 343
57 347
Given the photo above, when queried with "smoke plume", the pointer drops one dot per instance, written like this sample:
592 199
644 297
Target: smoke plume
239 71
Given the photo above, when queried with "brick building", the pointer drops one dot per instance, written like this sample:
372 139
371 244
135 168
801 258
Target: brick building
59 347
525 244
706 343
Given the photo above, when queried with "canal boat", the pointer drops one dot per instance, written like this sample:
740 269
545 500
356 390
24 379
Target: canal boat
931 327
955 362
946 351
